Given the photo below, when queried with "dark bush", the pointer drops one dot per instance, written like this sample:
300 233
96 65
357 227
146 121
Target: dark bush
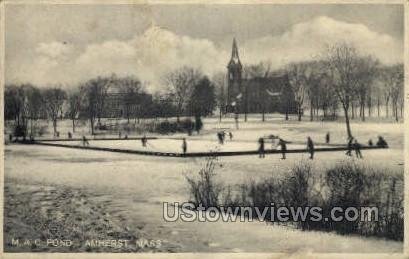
186 126
20 131
345 182
204 190
344 185
166 127
198 124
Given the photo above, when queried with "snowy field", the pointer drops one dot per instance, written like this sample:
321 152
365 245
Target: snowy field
133 187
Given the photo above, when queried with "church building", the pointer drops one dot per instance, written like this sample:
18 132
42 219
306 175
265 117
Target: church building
268 94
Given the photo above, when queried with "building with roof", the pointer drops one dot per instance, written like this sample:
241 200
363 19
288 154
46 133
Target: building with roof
271 93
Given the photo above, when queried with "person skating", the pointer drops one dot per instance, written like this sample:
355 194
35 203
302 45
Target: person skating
310 147
283 147
327 138
220 136
349 146
184 146
381 142
357 148
85 141
230 135
261 151
236 120
144 140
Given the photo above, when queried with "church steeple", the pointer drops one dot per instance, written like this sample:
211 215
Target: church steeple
234 71
235 59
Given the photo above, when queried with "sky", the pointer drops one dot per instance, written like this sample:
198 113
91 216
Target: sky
67 44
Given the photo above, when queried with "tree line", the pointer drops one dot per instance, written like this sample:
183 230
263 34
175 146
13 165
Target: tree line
340 79
343 78
188 92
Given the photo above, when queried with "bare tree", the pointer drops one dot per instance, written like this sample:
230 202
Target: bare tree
342 62
365 74
315 82
94 92
35 106
74 106
180 83
388 79
377 91
327 98
54 100
13 103
298 81
397 89
392 79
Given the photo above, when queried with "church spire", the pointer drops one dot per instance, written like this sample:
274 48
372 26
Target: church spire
234 50
235 60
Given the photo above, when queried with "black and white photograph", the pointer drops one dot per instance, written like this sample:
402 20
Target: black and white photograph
201 127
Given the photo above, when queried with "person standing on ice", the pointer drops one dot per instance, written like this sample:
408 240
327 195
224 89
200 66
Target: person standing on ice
349 146
220 136
144 141
310 147
357 148
85 141
261 151
381 142
283 146
327 138
184 146
230 135
236 120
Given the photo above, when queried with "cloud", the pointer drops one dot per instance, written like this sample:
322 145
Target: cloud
156 51
53 49
149 56
305 41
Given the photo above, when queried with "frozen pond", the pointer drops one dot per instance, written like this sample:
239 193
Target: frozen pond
175 145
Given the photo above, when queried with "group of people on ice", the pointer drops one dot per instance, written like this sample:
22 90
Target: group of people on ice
221 136
144 142
281 142
352 145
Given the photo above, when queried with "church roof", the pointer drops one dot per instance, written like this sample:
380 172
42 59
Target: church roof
235 59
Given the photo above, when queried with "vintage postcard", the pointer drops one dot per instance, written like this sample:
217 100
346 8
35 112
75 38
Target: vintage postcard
203 129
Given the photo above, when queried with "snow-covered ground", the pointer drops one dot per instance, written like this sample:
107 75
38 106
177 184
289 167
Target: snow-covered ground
137 185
